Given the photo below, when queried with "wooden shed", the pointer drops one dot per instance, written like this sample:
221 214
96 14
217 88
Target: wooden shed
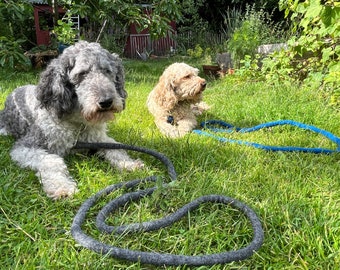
43 20
140 44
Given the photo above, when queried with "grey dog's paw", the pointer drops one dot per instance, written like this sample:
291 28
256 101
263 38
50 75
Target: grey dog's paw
131 165
60 189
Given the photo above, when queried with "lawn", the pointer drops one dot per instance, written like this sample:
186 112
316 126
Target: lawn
296 195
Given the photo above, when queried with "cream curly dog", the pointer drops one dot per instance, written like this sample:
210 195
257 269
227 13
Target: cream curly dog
77 94
177 99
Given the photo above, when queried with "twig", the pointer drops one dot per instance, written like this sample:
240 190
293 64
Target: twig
101 30
16 225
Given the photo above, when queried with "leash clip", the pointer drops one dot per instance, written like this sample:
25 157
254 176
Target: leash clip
170 120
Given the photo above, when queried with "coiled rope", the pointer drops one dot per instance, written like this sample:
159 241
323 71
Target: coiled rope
221 126
152 257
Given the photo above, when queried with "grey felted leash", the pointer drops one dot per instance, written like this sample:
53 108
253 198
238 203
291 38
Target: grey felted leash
152 257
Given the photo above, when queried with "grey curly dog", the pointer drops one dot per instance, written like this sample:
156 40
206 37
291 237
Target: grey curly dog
77 94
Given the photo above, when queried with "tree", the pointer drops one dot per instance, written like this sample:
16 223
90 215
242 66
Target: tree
125 12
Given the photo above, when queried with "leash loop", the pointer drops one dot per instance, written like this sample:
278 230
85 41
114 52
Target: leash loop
152 257
221 126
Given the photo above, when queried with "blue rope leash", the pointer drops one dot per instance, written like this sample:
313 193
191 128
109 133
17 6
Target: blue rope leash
221 126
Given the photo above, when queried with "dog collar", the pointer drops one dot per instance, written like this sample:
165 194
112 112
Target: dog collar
170 120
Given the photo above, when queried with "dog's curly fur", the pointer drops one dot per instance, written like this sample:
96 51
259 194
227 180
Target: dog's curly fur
77 94
177 99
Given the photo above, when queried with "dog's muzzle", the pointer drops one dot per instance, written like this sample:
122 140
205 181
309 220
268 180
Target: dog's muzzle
108 104
105 104
203 85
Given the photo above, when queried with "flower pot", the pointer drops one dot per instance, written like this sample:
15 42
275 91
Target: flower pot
211 70
62 47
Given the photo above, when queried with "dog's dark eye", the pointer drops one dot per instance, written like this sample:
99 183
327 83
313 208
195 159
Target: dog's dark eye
107 71
187 77
81 75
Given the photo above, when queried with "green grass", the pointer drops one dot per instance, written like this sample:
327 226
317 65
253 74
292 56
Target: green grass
296 195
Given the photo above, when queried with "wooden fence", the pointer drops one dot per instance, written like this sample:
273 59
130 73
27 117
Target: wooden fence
141 45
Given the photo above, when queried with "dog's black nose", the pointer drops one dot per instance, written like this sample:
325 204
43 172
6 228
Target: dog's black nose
106 104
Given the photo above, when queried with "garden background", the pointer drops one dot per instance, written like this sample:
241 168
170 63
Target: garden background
296 195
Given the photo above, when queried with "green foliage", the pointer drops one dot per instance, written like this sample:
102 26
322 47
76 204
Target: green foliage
244 41
64 31
256 28
197 52
12 55
232 19
162 14
313 55
114 43
16 18
124 13
204 55
191 27
249 68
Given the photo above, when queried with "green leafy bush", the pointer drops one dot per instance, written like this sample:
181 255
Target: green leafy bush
256 28
313 55
232 19
196 53
12 55
16 20
65 31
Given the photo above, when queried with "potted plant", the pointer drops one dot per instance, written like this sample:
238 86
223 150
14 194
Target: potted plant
209 67
224 60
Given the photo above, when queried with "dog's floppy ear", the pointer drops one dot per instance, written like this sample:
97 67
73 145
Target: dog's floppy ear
54 90
165 94
120 77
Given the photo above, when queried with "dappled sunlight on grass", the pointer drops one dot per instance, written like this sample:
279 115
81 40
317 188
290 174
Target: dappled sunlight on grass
295 194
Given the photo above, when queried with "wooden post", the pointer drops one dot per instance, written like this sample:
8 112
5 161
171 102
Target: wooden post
55 13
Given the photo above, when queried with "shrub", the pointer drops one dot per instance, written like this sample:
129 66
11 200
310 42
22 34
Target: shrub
12 55
196 53
313 55
64 31
232 19
256 28
17 21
